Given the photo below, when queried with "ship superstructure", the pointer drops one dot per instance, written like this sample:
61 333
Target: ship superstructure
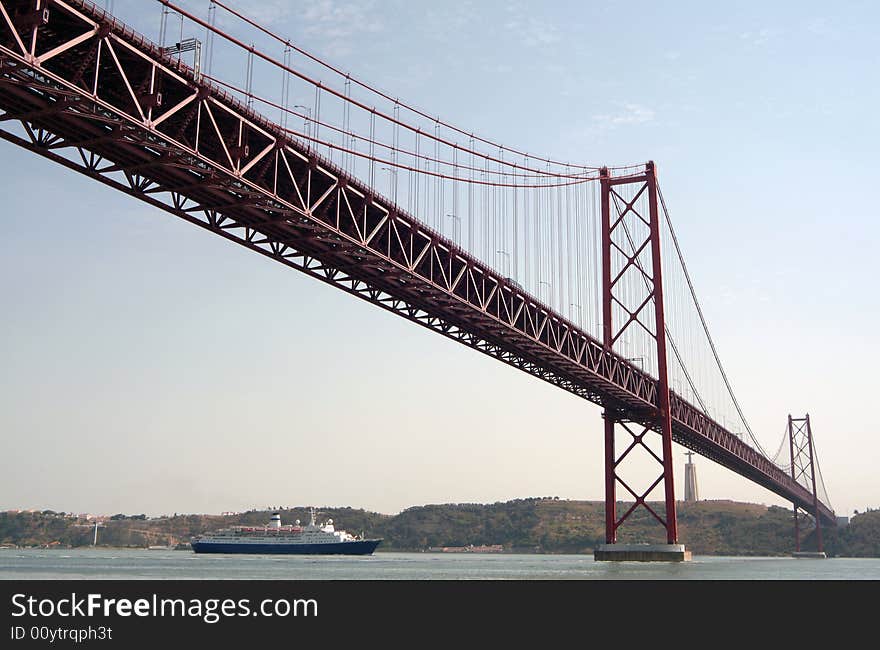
310 539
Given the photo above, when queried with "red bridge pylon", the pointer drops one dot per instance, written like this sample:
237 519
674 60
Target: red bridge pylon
800 439
632 288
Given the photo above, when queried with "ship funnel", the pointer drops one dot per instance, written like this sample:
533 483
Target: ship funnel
275 521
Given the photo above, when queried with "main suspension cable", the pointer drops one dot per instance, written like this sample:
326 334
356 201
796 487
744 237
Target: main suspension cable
384 145
287 43
320 86
703 321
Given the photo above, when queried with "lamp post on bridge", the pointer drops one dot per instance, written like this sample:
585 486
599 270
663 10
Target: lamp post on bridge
549 291
638 360
307 122
392 175
580 312
456 224
507 259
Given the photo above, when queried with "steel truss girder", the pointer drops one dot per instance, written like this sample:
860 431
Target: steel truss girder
289 256
280 193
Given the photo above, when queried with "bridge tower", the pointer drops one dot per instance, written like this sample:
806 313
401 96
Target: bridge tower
632 295
800 440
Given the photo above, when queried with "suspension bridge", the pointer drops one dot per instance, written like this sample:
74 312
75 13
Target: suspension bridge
569 272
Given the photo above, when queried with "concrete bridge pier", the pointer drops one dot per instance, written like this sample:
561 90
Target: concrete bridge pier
812 555
642 553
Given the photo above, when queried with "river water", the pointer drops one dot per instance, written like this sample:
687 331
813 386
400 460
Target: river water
125 564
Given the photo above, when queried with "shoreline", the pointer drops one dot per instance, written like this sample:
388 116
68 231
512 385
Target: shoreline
506 553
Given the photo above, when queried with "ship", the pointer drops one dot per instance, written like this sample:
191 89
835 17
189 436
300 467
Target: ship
274 538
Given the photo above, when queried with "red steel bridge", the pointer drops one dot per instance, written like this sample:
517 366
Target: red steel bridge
570 273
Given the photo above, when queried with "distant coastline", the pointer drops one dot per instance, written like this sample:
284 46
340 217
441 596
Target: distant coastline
537 525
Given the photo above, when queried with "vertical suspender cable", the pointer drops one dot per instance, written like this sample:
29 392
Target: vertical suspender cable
703 321
470 189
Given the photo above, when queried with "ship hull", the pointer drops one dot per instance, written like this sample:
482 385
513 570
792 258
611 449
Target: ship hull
360 547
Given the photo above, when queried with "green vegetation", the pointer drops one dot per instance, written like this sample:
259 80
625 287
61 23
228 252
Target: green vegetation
860 539
542 525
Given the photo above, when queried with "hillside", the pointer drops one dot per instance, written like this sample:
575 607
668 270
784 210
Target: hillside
555 526
542 525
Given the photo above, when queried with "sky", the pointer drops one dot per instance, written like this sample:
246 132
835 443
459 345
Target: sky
146 366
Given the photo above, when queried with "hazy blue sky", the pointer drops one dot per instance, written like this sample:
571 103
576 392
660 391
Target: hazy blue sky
147 366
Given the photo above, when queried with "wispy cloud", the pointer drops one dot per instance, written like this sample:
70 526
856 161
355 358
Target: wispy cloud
601 125
338 23
627 114
759 37
334 22
821 27
532 32
265 12
528 30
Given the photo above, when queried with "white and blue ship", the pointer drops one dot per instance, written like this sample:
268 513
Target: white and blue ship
311 539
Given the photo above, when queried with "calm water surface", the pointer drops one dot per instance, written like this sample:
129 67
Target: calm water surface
124 564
